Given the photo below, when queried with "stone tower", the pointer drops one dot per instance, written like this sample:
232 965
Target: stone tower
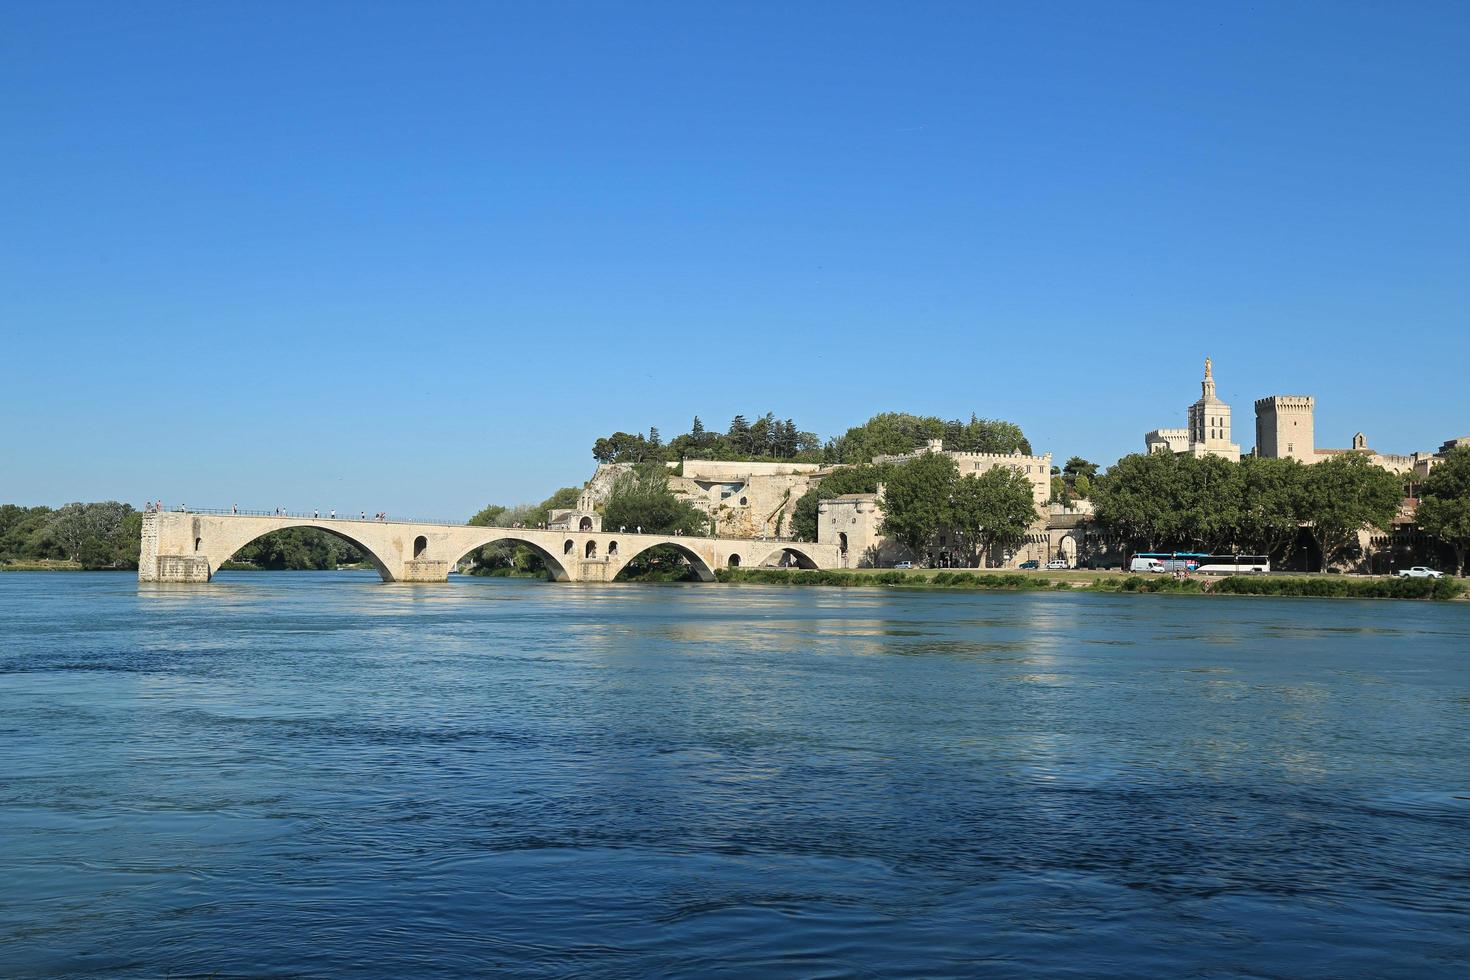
1209 422
1285 427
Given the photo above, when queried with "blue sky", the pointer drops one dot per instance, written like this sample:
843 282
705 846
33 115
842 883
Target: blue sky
417 257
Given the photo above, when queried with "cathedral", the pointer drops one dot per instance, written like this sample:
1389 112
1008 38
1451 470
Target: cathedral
1208 432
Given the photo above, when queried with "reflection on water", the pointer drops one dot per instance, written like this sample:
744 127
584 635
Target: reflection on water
317 774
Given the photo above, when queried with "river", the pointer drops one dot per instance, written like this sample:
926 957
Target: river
319 774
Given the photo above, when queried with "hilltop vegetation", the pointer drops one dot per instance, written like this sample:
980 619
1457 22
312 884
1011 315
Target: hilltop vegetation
771 439
895 433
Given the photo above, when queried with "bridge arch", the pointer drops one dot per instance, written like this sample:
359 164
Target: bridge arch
552 562
220 547
797 556
696 561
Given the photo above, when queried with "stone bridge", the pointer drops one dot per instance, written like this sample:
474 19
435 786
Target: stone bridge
190 547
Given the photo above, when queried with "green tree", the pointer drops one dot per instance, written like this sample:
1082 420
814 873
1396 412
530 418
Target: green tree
1131 499
985 436
641 497
127 540
299 549
1344 494
760 436
885 434
896 433
1077 466
916 500
90 527
1444 504
1270 513
864 478
489 516
1208 501
24 533
994 508
623 447
562 499
1160 500
1082 486
739 434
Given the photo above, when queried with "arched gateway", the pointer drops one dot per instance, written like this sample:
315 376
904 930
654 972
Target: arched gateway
190 547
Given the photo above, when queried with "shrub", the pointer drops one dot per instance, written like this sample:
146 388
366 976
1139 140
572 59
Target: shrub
1341 587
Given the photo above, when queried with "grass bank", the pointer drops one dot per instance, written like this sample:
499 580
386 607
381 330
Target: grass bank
1327 586
40 565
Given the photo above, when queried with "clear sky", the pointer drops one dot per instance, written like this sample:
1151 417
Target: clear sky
416 257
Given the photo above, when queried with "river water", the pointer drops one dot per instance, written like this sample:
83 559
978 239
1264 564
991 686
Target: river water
318 774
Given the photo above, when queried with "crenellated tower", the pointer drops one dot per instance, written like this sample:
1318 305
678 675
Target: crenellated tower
1285 427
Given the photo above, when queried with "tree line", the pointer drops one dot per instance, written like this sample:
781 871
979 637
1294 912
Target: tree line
98 535
1164 502
769 438
107 534
297 549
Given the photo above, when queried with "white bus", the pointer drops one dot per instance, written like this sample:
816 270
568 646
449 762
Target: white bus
1201 563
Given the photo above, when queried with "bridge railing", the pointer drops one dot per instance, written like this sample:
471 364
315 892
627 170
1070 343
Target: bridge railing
310 515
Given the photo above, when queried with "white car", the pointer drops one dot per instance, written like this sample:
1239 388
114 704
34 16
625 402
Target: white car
1419 571
903 564
1057 563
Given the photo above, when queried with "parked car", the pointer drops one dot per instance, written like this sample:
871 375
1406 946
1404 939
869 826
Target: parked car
1058 563
1033 563
1146 565
903 564
1419 571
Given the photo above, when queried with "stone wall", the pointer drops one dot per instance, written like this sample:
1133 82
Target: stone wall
745 500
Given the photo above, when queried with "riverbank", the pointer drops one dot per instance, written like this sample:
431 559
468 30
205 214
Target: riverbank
58 565
1319 586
